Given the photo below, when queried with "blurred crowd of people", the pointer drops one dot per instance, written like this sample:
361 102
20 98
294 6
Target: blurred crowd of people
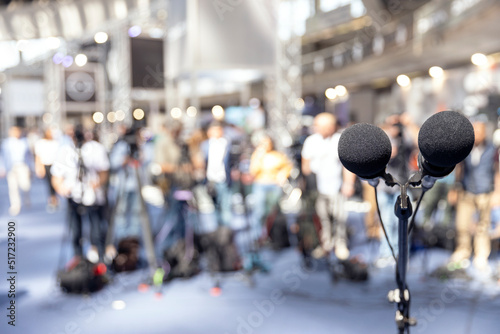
206 169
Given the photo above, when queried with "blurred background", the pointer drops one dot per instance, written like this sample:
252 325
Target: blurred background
98 61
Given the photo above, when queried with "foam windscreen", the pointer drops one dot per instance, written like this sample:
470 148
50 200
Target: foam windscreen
365 150
446 138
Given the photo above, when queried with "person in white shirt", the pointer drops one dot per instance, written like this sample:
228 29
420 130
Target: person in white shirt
80 173
216 153
334 184
14 160
45 154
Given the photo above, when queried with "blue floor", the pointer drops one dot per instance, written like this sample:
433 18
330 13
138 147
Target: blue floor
290 299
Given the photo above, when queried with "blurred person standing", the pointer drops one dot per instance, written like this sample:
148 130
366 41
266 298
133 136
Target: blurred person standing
334 183
476 181
124 159
440 197
66 138
169 156
216 152
14 163
80 173
45 153
270 169
196 155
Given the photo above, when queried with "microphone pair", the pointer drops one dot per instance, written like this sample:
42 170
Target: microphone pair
444 140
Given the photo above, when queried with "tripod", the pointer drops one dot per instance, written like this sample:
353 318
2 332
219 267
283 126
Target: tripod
143 217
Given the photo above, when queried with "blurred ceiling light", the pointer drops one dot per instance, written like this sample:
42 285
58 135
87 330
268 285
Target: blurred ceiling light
120 115
218 112
330 93
98 117
58 58
299 103
111 117
156 32
138 114
340 90
53 43
436 72
81 60
67 61
176 113
134 31
479 59
403 80
101 37
22 44
9 55
120 9
191 111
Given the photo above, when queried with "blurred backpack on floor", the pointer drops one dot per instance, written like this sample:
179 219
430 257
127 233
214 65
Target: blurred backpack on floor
353 270
277 229
128 255
184 261
308 228
221 250
82 276
435 235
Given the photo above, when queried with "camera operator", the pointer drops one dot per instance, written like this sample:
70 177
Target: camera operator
171 155
124 158
80 173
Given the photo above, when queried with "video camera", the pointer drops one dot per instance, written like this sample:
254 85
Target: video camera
130 138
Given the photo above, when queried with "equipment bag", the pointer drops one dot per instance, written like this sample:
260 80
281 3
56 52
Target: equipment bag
221 250
355 270
184 261
82 276
277 229
128 255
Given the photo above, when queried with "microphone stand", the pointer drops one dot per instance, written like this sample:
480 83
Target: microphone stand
403 210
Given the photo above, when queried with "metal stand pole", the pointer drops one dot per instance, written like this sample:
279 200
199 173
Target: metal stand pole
401 296
403 211
147 235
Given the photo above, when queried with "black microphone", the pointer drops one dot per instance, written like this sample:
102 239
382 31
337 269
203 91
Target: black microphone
365 150
444 140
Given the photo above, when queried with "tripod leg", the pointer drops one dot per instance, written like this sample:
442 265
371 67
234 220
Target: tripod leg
110 235
146 228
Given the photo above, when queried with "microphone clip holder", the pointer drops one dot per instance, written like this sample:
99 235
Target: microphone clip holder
423 180
388 178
